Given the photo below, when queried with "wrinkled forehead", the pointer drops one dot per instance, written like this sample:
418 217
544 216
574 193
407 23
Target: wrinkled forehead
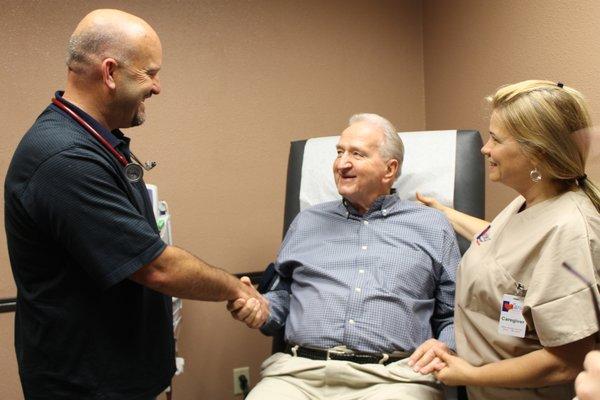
362 134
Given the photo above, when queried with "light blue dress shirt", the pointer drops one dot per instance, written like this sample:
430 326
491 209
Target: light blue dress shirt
379 282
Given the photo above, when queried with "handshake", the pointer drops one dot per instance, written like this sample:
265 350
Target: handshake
250 307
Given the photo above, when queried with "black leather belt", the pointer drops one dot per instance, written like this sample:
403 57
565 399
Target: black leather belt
340 355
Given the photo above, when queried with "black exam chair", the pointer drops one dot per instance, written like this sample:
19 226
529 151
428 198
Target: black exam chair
469 191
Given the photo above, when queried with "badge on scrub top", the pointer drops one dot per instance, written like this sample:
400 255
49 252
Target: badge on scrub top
511 321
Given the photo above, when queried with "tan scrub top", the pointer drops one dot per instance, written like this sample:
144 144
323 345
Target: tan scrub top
528 247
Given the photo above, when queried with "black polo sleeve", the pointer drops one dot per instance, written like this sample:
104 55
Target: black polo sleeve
80 200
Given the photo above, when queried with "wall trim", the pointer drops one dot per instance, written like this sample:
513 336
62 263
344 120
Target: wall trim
8 304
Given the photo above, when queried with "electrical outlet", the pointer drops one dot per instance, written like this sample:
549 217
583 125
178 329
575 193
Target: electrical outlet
237 372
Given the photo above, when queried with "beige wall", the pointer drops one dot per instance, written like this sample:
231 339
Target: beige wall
241 79
473 46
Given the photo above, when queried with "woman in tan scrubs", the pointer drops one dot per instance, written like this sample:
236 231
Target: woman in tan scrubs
523 322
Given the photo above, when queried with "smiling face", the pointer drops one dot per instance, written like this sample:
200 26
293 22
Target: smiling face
361 174
136 80
507 162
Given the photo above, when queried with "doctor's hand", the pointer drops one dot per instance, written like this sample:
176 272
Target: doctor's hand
424 359
430 202
247 291
587 384
456 371
252 311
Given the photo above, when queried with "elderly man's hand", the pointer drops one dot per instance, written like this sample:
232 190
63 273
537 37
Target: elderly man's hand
252 311
424 359
587 384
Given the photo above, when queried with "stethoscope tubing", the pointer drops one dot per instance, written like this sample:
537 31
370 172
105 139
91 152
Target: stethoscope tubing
133 172
91 131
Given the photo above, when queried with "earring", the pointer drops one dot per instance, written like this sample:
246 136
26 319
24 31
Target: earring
535 175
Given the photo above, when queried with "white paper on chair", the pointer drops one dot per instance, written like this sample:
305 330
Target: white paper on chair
429 167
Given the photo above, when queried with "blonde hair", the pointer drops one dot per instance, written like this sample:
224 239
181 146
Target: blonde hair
544 117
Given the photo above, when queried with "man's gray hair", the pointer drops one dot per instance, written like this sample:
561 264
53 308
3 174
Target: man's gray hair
392 147
86 47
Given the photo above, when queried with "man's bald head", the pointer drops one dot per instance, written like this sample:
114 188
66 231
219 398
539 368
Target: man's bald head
114 59
106 33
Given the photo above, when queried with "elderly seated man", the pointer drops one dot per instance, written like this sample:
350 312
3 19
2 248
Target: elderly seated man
363 283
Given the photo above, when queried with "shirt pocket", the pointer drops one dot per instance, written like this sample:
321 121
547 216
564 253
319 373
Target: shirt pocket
410 272
485 284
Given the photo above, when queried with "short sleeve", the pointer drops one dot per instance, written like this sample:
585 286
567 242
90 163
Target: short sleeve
557 303
80 201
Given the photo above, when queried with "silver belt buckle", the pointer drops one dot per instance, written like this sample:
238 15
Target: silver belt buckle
384 358
338 350
295 350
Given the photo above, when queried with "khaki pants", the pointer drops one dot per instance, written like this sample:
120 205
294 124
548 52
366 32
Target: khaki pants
296 378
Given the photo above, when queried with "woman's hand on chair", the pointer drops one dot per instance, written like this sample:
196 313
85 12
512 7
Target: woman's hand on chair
429 202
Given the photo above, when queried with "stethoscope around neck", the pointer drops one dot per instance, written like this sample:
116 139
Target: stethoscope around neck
133 171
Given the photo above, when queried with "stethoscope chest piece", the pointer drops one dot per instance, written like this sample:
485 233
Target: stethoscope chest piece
134 172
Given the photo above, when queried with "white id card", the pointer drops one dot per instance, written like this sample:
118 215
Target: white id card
511 321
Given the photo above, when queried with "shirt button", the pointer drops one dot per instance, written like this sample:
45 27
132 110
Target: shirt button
364 247
351 321
361 271
357 289
384 211
366 222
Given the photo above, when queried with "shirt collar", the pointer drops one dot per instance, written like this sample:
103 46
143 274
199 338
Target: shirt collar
115 138
382 204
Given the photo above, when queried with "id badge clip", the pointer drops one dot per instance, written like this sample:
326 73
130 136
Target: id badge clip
511 321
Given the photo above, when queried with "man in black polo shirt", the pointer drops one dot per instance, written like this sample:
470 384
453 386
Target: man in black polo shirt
94 279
